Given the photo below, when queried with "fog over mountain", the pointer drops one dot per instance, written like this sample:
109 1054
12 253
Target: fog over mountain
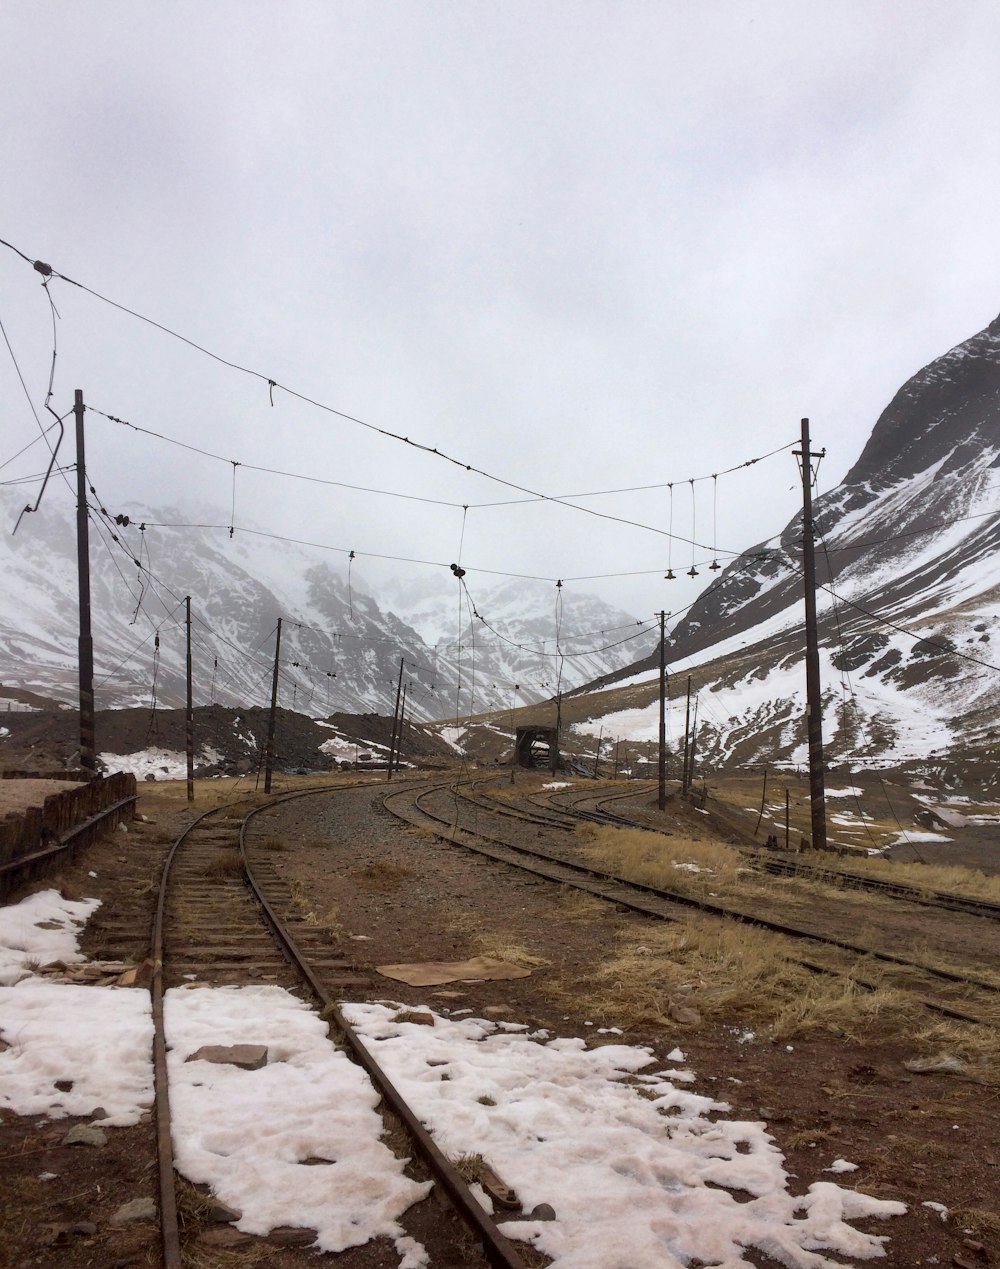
513 643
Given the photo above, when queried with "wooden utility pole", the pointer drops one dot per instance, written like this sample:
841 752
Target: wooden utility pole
661 799
694 741
402 724
395 721
597 756
88 748
272 717
763 803
814 690
189 712
687 738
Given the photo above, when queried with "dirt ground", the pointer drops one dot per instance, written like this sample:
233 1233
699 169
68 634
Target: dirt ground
400 894
18 795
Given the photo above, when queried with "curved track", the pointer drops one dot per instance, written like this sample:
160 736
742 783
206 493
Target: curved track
234 924
437 807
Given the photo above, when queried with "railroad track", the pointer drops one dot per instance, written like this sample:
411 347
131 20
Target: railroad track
223 919
569 808
941 899
435 807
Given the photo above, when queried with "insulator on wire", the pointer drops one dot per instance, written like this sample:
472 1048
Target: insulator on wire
669 575
692 571
715 566
458 571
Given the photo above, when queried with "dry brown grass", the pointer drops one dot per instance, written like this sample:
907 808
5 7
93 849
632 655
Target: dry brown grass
713 872
577 905
927 877
493 943
227 863
699 971
979 1219
380 875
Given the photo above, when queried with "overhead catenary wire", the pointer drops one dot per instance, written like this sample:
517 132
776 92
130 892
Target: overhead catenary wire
48 273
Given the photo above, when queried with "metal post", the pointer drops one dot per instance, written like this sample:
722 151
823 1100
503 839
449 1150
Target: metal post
661 799
787 817
269 751
814 691
687 734
88 748
597 756
189 713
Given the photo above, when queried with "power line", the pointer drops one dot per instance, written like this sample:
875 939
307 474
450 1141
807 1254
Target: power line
48 272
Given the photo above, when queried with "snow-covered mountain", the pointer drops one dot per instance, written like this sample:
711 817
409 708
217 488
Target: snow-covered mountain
340 646
909 610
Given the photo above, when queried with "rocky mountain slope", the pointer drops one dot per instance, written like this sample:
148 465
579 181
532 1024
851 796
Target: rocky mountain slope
909 605
340 649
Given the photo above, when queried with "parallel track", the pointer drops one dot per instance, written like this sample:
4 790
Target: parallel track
594 808
246 931
662 904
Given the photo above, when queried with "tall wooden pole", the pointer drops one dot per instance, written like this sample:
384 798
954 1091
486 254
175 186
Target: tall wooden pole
693 744
189 712
272 717
88 748
402 724
687 738
814 690
395 721
661 799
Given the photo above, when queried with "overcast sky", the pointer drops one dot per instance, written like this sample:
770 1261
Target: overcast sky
580 246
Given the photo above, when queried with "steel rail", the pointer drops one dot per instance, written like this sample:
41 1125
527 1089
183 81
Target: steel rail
496 1246
498 1249
777 866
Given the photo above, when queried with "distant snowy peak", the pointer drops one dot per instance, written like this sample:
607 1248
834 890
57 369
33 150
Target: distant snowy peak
916 509
944 416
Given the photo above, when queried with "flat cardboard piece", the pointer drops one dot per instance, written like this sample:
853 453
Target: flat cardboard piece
433 973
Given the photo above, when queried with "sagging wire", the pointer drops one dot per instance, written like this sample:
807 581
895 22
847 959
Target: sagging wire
153 724
559 651
715 565
232 512
48 272
692 571
53 450
459 572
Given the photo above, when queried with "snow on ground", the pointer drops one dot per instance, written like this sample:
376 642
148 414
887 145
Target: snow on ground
248 1134
632 1175
904 838
42 928
453 736
163 764
641 1170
